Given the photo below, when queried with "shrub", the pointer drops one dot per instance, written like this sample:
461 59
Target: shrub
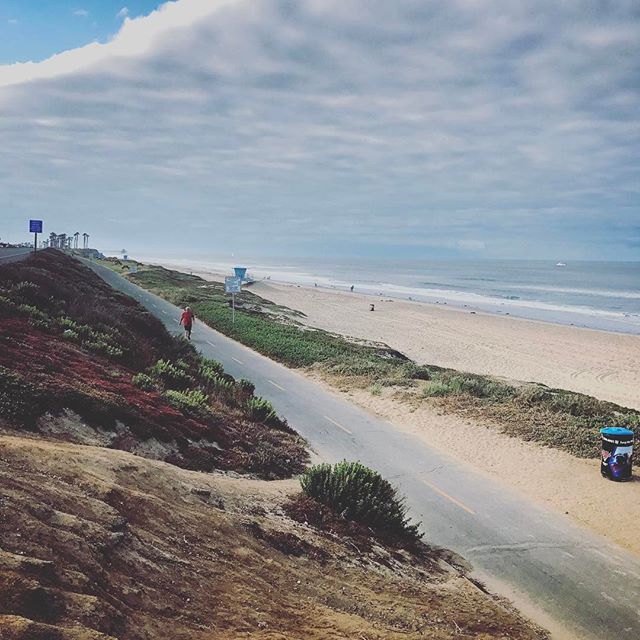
246 386
33 312
68 323
19 399
210 371
418 372
220 386
533 394
173 377
360 494
194 401
260 410
436 389
445 383
212 365
7 307
25 292
102 347
375 389
70 334
145 382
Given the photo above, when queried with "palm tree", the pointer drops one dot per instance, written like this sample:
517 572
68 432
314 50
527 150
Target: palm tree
76 236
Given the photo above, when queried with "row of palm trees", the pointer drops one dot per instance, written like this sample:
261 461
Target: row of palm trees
64 241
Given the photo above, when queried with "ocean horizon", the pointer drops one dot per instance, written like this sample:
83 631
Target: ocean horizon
590 294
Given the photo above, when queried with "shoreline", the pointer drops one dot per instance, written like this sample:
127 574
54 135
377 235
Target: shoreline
535 311
591 361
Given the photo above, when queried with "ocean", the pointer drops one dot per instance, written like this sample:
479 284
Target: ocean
596 295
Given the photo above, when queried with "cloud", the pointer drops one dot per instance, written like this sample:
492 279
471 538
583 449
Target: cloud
12 21
81 13
123 13
503 128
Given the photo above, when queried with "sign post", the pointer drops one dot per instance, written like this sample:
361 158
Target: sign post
35 227
233 285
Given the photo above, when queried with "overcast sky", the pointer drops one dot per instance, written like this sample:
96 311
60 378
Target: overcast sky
326 127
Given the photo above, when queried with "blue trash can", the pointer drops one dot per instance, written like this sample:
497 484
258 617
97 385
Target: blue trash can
617 453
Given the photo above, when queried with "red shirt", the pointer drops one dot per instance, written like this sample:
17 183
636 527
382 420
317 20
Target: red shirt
187 318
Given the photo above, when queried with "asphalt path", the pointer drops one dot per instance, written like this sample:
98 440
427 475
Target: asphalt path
574 582
13 255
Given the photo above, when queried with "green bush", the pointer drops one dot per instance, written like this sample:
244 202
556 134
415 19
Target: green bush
25 292
70 334
68 323
446 383
210 370
103 348
260 410
209 363
436 389
145 382
533 394
33 312
194 401
7 307
19 399
246 386
171 375
358 493
221 386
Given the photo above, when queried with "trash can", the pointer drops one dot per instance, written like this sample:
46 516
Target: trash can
617 453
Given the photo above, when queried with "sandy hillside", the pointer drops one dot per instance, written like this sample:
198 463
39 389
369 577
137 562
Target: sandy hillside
100 544
605 365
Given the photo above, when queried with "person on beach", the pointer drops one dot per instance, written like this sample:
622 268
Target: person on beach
351 288
186 320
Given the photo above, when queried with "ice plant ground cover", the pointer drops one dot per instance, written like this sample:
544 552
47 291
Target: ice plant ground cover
71 344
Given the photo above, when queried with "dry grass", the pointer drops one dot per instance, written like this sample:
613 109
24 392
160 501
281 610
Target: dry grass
154 551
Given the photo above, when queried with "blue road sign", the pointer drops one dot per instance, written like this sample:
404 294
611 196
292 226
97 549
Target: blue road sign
35 226
232 284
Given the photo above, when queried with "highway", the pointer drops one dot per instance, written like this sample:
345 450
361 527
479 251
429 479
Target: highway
574 582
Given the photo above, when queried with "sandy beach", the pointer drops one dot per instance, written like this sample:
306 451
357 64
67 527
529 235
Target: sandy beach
605 365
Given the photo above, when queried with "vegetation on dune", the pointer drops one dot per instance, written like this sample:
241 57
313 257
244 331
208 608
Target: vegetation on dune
553 417
70 342
361 495
262 325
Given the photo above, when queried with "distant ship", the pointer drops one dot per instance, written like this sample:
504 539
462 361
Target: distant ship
561 264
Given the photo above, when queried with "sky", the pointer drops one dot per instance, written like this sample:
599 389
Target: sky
405 129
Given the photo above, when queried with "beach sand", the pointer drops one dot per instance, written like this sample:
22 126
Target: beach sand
602 364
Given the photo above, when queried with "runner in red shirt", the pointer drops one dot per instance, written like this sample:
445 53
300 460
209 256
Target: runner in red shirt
186 320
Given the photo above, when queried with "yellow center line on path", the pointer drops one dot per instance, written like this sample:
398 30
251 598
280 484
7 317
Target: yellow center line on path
448 497
277 386
236 359
339 425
